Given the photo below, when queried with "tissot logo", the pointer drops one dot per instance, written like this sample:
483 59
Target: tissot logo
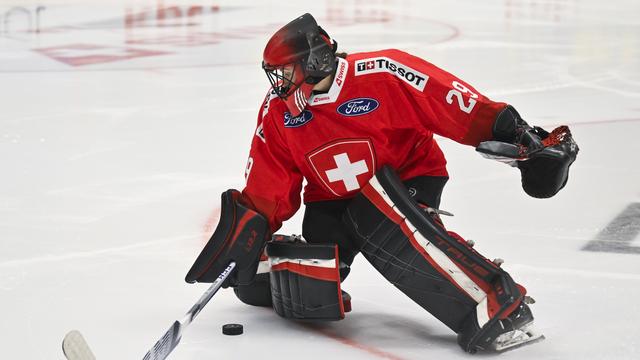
291 122
413 77
359 106
366 65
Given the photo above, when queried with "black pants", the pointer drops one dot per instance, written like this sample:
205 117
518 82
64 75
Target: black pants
322 224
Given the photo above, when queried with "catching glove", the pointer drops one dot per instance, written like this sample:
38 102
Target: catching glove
543 158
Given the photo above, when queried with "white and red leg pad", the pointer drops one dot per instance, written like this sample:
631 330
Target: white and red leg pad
435 268
305 280
263 264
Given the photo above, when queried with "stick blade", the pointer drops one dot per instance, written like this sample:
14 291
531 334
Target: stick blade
75 347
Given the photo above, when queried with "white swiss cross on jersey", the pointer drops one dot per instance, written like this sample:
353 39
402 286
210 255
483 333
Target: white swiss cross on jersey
343 166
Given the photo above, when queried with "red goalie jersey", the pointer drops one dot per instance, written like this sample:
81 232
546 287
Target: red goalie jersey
382 109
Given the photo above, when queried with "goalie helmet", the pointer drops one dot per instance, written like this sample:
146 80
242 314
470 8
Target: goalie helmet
296 58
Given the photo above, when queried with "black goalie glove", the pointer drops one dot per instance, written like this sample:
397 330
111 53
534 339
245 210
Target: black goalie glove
543 158
240 236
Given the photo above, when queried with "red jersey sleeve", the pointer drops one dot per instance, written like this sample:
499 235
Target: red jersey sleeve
449 106
273 181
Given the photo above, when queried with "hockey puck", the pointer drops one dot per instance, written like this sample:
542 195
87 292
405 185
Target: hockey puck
232 329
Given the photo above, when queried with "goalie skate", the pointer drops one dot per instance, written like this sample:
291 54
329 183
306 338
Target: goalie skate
526 335
514 331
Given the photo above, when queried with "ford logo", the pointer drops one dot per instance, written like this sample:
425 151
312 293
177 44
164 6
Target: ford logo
359 106
291 122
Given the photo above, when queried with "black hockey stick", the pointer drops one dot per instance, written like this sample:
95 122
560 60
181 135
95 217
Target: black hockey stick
172 337
75 347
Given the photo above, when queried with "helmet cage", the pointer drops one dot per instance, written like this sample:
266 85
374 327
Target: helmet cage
283 85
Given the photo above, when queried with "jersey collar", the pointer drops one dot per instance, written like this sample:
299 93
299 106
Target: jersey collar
338 82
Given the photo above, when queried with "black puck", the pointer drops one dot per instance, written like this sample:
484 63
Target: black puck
232 329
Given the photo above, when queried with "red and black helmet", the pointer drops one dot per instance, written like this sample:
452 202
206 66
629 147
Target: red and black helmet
296 58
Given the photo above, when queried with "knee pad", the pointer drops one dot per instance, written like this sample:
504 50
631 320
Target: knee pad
305 280
435 268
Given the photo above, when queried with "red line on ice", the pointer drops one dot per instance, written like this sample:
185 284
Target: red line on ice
210 225
354 344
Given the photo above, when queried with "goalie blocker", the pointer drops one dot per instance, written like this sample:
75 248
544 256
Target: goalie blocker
437 269
239 237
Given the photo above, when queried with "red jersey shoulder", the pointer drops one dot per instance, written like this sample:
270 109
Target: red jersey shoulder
274 117
390 64
270 101
265 117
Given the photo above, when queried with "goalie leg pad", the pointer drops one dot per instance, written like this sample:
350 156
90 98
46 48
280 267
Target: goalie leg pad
323 224
305 281
435 268
258 292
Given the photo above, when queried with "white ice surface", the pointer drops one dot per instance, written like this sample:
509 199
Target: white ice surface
110 173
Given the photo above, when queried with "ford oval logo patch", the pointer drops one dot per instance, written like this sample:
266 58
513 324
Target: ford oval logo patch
359 106
291 122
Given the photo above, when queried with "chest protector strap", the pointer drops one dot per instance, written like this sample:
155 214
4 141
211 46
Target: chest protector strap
434 267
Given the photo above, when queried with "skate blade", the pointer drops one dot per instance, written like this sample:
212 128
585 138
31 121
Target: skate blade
517 339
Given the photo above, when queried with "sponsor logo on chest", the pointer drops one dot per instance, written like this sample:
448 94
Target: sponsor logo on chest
412 77
359 106
297 121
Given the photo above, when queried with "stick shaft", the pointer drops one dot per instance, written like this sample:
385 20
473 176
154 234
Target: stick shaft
212 290
163 347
